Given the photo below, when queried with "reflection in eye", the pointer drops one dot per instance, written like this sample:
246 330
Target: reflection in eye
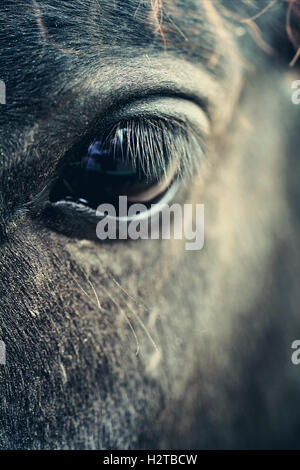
139 159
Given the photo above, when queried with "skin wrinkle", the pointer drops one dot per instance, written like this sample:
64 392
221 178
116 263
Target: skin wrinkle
44 31
294 8
222 319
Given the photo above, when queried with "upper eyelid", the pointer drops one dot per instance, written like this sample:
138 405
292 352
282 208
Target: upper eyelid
168 108
175 111
171 108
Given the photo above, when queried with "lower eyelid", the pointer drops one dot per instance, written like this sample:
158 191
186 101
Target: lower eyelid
76 220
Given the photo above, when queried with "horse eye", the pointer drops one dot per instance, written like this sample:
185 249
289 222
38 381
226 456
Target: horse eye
117 165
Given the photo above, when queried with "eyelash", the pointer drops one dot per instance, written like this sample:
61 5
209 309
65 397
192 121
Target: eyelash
154 143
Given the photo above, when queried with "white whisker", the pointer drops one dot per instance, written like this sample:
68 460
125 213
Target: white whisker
127 319
143 326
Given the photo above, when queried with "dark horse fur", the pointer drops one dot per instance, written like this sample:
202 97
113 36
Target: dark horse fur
214 327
